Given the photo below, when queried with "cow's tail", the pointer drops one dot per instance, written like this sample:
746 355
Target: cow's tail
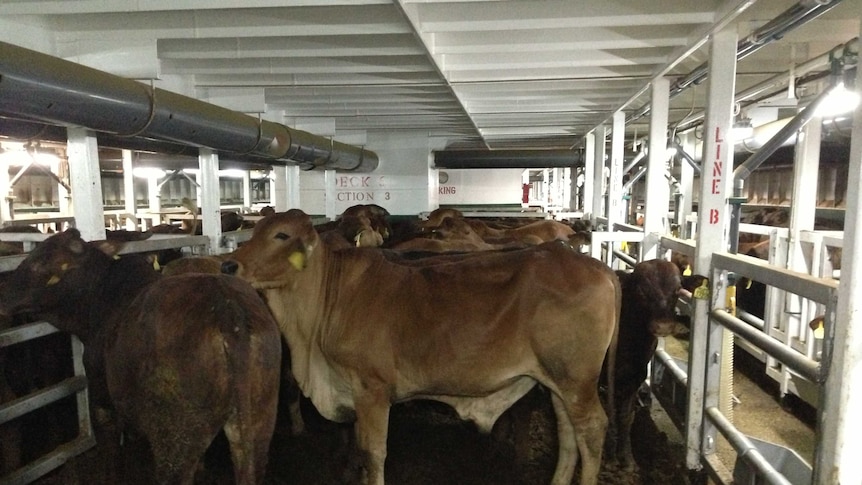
611 359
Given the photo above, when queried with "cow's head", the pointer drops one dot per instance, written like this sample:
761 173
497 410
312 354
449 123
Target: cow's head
280 245
654 286
56 274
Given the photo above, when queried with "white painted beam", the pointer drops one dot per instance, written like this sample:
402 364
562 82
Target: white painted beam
657 192
85 180
210 198
840 444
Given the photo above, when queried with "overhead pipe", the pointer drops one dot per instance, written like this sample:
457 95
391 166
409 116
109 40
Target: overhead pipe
743 170
688 158
535 158
799 14
637 158
48 89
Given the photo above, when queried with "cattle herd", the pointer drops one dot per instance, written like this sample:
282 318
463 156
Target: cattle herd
447 350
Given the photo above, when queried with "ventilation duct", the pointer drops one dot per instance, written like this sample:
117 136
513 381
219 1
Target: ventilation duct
507 158
38 87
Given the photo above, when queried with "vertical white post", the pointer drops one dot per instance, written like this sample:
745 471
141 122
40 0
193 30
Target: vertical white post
615 184
329 197
837 456
567 189
292 174
657 192
686 183
278 192
598 181
716 179
589 170
130 196
86 183
246 189
154 199
5 194
210 198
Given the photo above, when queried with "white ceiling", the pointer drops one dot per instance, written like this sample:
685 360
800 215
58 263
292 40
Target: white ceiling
496 73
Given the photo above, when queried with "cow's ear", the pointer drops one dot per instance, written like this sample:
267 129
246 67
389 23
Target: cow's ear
110 248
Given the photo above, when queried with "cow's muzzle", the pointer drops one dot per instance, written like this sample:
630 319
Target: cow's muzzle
229 267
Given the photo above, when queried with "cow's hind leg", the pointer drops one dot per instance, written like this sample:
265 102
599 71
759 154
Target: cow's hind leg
177 454
567 457
589 423
249 436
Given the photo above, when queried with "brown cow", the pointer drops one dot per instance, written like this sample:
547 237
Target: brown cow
181 357
476 333
648 312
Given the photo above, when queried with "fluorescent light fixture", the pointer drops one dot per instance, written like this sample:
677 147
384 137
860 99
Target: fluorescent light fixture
19 158
741 130
148 172
839 101
671 152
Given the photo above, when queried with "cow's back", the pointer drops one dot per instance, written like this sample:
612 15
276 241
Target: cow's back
195 351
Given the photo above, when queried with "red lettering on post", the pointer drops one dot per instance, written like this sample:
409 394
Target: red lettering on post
716 168
713 216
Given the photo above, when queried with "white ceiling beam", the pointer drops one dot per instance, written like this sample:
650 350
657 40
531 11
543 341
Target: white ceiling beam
289 46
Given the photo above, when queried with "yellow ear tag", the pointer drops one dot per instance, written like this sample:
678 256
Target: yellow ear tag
64 266
357 238
702 291
53 280
156 265
297 260
819 331
748 285
687 271
624 246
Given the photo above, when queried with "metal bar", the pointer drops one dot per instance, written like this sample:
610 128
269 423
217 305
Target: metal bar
741 172
25 332
807 368
637 176
670 364
625 257
745 448
811 287
23 405
688 158
158 244
46 463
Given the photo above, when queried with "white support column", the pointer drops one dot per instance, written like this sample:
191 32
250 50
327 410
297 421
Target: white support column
86 183
210 198
130 196
292 174
329 197
599 209
5 194
278 192
686 184
566 188
806 164
713 219
589 170
837 457
616 208
246 189
154 198
657 192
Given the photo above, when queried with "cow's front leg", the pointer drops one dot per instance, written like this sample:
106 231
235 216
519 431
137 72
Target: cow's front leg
372 422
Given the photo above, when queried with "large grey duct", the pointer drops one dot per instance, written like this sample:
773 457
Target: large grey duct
507 158
40 87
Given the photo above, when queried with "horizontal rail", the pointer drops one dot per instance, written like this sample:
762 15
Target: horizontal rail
47 395
679 375
807 368
745 449
38 468
820 290
25 332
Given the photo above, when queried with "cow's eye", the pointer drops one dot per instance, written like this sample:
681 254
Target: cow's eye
282 236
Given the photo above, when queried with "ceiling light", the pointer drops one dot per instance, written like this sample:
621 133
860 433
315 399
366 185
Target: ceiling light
839 101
